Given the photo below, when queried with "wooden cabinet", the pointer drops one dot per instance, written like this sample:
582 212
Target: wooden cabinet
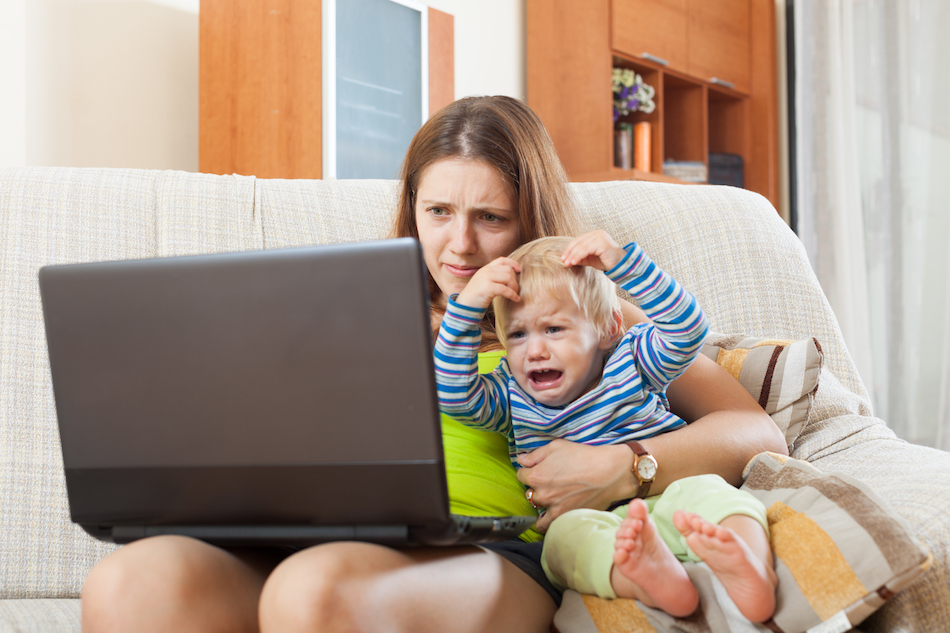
260 85
719 42
652 29
714 80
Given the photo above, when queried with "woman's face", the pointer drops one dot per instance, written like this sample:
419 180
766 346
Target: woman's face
466 217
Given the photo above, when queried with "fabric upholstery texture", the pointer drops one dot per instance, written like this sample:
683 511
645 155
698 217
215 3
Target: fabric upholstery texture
727 246
39 615
781 375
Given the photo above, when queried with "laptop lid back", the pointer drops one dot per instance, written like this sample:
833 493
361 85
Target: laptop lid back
290 387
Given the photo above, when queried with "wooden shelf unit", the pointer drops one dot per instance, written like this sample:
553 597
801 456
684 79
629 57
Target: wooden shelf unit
260 85
572 48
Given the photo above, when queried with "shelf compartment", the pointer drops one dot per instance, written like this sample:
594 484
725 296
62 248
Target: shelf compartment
652 77
728 124
729 128
684 120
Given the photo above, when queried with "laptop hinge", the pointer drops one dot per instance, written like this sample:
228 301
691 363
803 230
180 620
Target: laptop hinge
267 535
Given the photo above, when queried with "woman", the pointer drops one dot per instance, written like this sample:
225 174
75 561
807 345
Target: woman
479 179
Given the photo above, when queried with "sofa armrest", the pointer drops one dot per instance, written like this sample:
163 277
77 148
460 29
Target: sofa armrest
914 480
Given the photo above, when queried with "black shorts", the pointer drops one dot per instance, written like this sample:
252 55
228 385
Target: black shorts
527 557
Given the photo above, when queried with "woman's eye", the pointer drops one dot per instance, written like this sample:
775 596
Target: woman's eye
437 211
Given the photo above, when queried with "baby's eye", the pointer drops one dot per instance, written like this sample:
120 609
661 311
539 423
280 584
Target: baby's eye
554 329
515 335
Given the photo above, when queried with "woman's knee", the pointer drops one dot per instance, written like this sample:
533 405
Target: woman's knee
159 583
120 581
319 589
367 588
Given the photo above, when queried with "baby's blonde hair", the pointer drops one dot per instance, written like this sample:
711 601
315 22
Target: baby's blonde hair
543 271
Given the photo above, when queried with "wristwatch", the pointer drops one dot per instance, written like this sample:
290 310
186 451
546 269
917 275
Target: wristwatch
644 468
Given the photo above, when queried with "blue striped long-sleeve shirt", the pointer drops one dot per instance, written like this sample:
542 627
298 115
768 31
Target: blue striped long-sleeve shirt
628 403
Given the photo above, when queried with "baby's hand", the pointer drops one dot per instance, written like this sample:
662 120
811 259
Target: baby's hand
595 249
498 278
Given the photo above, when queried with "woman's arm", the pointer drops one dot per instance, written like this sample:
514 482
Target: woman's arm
727 428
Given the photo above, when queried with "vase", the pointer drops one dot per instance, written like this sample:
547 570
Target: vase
623 146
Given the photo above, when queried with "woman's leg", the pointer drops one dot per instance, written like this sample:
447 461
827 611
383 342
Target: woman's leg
172 583
345 587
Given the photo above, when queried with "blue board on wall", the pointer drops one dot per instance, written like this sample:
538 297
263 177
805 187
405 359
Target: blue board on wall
380 83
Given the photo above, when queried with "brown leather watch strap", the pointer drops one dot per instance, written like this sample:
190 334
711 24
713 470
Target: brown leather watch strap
639 453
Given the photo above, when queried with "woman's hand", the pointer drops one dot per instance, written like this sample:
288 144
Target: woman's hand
595 249
498 278
566 476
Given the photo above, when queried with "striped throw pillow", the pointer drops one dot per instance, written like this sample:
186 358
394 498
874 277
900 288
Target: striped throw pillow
781 375
840 554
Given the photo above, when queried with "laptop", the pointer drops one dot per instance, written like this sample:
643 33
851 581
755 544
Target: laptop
274 397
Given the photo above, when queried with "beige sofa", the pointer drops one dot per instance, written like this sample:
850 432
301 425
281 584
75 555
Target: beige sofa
727 245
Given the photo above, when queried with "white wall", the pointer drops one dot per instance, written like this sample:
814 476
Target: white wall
13 79
114 83
489 46
108 83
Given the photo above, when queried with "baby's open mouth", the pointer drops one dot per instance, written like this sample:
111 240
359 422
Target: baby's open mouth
544 377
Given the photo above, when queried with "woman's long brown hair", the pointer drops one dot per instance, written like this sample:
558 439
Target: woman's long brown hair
506 134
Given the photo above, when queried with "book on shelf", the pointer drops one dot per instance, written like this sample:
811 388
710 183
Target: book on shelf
688 170
726 169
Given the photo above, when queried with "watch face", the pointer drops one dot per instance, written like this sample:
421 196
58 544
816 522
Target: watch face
646 468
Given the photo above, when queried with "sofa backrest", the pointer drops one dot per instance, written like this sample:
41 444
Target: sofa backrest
728 246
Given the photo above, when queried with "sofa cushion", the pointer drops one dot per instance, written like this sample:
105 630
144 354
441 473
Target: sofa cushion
840 552
915 483
781 375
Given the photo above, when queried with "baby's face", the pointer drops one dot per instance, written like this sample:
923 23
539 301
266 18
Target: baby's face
554 352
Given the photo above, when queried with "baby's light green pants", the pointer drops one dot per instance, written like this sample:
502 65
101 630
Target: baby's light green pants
579 545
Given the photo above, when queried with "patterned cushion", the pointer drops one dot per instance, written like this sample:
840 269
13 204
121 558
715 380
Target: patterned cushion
840 554
781 375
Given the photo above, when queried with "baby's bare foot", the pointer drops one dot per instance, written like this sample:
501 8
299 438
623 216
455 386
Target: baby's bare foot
747 579
645 568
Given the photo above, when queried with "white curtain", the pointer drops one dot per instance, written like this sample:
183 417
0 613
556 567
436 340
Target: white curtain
872 115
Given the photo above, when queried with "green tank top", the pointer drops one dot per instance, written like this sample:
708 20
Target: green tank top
481 479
